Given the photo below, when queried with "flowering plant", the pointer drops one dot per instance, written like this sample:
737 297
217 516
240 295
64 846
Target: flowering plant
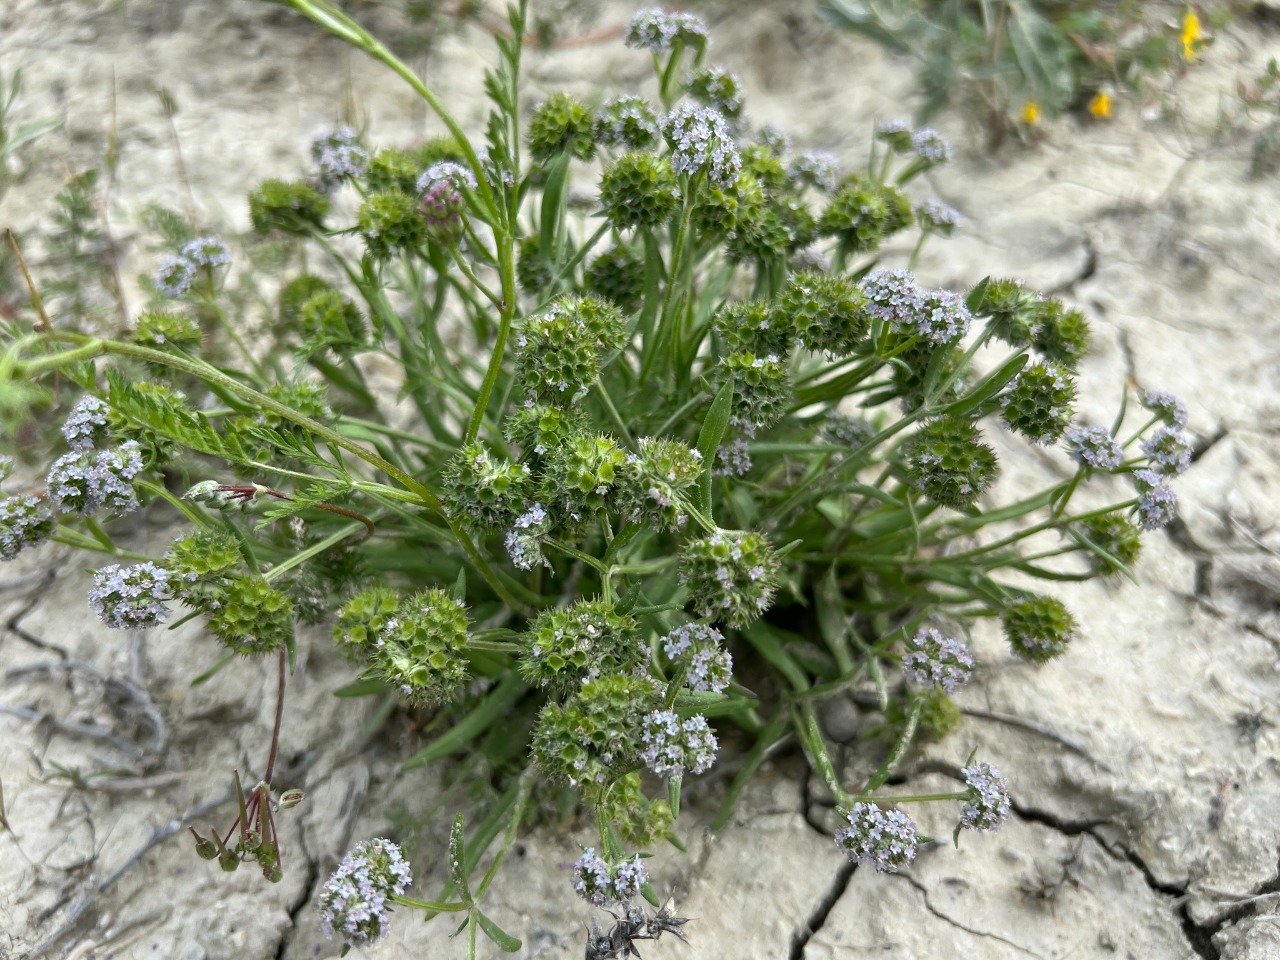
705 442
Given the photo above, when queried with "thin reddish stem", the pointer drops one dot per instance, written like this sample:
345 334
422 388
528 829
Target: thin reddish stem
275 730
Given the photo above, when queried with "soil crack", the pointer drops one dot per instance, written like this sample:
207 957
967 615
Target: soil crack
818 917
924 894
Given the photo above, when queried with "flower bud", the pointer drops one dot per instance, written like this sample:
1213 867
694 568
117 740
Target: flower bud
1061 335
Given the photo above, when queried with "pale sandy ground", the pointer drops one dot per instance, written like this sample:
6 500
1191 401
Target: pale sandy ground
1145 822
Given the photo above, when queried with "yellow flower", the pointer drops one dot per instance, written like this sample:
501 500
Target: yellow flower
1190 35
1100 105
1030 113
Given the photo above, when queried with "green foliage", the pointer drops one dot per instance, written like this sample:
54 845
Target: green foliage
1010 61
695 434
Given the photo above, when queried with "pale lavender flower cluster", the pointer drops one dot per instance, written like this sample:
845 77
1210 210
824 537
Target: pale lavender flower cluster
207 251
846 430
1168 450
892 296
988 803
673 745
24 522
937 217
699 649
896 133
1165 406
85 483
355 903
930 145
600 886
733 460
131 597
1157 504
884 839
700 141
339 157
86 424
626 121
657 30
524 539
810 258
1093 446
943 318
774 138
816 167
934 660
174 276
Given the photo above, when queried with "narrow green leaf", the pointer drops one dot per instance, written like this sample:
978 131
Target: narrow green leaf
209 674
714 426
491 709
506 943
899 751
987 387
458 858
366 687
977 295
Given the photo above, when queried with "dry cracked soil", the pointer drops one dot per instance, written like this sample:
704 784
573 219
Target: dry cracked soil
1143 765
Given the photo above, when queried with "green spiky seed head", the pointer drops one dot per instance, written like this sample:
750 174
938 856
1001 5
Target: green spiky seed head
1117 537
716 88
251 617
947 461
1039 404
1061 335
532 270
562 648
639 190
162 331
594 737
766 236
393 170
753 326
361 621
765 164
1039 628
561 122
939 715
656 480
199 560
290 206
579 477
538 429
558 352
762 389
421 653
731 576
311 399
1012 309
627 122
828 313
293 295
863 214
328 320
617 275
724 211
483 492
641 821
389 222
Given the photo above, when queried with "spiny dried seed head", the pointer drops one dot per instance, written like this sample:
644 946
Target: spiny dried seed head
1040 402
563 648
639 189
420 651
561 122
829 314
